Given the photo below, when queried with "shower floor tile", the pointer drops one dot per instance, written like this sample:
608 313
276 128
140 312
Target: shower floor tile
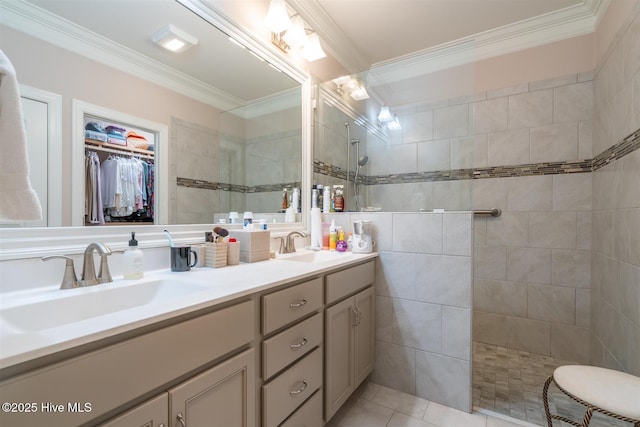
510 382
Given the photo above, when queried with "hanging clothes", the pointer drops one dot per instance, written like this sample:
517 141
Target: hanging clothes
93 197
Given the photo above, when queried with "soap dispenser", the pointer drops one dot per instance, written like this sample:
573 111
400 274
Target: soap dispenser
133 260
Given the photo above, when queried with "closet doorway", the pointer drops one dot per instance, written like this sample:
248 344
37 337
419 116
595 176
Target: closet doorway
84 112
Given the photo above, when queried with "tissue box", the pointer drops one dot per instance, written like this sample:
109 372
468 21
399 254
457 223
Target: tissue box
254 245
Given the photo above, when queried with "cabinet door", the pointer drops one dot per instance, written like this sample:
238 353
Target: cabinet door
364 335
339 324
153 413
223 396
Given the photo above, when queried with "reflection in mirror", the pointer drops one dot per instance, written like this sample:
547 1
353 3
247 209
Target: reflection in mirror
58 46
425 163
261 156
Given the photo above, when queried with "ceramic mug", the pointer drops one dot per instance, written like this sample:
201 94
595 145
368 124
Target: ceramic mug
181 257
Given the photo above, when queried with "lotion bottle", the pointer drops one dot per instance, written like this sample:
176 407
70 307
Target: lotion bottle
333 236
133 260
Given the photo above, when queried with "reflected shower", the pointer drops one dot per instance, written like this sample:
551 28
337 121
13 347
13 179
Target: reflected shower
362 160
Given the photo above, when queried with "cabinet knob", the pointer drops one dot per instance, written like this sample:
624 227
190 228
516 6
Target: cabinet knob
302 388
298 304
300 344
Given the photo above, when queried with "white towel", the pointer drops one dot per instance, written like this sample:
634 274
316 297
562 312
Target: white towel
18 200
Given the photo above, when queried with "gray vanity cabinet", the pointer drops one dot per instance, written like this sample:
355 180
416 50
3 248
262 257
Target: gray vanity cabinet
153 413
349 334
222 396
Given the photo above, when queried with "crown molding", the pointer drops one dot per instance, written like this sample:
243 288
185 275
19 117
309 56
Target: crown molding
32 20
566 23
555 26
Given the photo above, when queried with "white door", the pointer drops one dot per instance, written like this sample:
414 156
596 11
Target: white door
36 123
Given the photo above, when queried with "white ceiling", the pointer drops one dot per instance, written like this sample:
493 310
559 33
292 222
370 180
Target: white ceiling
358 34
386 29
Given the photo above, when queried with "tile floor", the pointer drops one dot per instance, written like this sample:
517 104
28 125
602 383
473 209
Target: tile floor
510 382
507 392
373 405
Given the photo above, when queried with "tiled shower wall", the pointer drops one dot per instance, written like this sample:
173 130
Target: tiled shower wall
423 303
615 293
243 168
532 264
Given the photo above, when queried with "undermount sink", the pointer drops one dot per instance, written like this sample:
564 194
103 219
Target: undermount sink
316 256
75 305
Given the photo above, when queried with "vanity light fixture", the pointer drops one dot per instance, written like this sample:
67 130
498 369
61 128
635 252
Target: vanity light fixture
312 50
394 124
359 93
174 39
385 115
296 36
277 19
289 33
356 89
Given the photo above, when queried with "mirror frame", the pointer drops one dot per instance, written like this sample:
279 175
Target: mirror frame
19 243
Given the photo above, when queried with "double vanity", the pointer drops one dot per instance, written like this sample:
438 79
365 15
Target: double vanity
282 342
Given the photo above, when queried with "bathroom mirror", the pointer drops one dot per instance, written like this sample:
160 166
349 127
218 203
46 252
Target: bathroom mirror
213 80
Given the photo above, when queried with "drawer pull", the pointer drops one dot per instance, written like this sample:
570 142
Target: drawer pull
300 344
301 389
180 418
298 304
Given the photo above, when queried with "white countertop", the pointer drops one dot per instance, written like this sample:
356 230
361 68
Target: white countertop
221 285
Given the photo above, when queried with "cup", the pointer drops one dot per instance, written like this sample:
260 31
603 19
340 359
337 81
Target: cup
181 257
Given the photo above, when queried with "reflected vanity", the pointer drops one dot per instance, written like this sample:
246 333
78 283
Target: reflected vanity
238 129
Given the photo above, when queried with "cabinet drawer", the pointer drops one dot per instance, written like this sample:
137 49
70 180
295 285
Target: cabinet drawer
308 415
287 391
114 375
291 344
287 305
348 281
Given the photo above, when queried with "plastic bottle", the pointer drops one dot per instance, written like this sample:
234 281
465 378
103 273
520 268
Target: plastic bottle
333 236
341 244
133 260
295 202
247 221
326 199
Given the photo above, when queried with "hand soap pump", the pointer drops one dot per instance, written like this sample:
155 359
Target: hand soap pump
133 260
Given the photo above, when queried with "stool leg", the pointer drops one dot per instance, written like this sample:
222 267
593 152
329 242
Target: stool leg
545 399
587 416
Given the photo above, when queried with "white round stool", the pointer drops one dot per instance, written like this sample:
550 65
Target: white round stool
609 392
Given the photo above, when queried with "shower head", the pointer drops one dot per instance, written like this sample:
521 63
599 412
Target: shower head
363 160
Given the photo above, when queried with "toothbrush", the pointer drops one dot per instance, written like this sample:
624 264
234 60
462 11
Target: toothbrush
166 232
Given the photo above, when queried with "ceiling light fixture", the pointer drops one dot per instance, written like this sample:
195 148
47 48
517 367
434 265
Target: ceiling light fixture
174 39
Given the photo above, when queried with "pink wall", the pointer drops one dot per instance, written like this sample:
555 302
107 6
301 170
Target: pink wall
44 66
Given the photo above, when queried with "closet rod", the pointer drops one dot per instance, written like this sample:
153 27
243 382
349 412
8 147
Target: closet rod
116 151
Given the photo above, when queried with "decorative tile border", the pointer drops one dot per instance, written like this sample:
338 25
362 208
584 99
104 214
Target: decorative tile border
617 151
207 185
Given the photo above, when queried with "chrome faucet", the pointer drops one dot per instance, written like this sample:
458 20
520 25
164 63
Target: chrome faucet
89 270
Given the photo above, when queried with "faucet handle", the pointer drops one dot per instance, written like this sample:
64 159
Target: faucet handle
104 275
69 280
282 249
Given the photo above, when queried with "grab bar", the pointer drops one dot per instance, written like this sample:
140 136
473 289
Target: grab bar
495 212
